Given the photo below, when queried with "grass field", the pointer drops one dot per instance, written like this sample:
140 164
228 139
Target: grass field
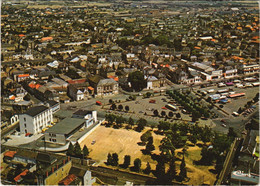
124 142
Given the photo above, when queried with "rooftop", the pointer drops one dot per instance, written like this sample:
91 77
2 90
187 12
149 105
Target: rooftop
34 111
66 126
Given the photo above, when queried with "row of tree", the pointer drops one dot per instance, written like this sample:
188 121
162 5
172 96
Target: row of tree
163 114
120 107
113 160
190 105
119 120
76 151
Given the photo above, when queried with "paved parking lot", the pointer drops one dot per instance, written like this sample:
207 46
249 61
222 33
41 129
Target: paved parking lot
235 103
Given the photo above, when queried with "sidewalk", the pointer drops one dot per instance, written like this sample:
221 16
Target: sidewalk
21 140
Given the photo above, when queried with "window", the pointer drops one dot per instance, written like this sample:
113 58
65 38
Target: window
24 119
54 140
25 131
25 125
49 139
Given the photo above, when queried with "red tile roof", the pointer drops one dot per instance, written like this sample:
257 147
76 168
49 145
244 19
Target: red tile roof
10 154
47 38
67 180
23 75
76 81
17 178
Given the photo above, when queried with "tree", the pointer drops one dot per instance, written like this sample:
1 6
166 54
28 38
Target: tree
120 107
77 150
109 159
163 113
231 133
160 171
163 125
141 123
148 94
145 136
85 151
111 101
171 173
131 121
114 159
110 118
170 114
120 120
183 171
127 108
149 146
127 160
178 115
193 139
70 151
137 80
113 106
155 113
147 170
137 165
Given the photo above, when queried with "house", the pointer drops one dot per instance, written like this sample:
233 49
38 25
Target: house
212 75
250 69
22 77
54 105
152 82
89 116
79 89
55 172
35 119
231 73
78 92
8 156
102 86
46 93
25 157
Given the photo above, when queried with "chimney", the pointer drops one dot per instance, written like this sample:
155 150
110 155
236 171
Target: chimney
68 158
57 166
47 173
52 169
63 162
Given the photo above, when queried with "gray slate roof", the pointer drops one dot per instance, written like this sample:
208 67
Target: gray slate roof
66 126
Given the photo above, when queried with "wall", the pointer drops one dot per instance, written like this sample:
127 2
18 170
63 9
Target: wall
29 124
58 175
60 138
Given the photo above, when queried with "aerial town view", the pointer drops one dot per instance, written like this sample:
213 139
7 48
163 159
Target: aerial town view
128 92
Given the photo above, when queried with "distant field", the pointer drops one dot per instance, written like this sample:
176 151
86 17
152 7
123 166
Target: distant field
124 142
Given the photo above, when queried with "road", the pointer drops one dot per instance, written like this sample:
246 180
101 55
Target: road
8 130
228 162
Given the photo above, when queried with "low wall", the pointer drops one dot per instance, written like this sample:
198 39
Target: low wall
89 132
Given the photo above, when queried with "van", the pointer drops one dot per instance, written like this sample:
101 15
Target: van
238 85
221 85
210 90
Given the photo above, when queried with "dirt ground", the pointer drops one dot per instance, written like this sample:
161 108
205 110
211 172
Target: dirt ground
124 142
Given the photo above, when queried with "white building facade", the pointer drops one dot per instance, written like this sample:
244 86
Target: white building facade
35 119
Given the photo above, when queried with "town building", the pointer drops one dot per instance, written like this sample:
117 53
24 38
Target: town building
35 119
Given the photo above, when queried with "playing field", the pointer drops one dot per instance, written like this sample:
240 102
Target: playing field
124 142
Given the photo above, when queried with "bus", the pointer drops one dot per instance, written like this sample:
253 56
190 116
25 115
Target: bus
256 84
222 90
171 107
236 95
